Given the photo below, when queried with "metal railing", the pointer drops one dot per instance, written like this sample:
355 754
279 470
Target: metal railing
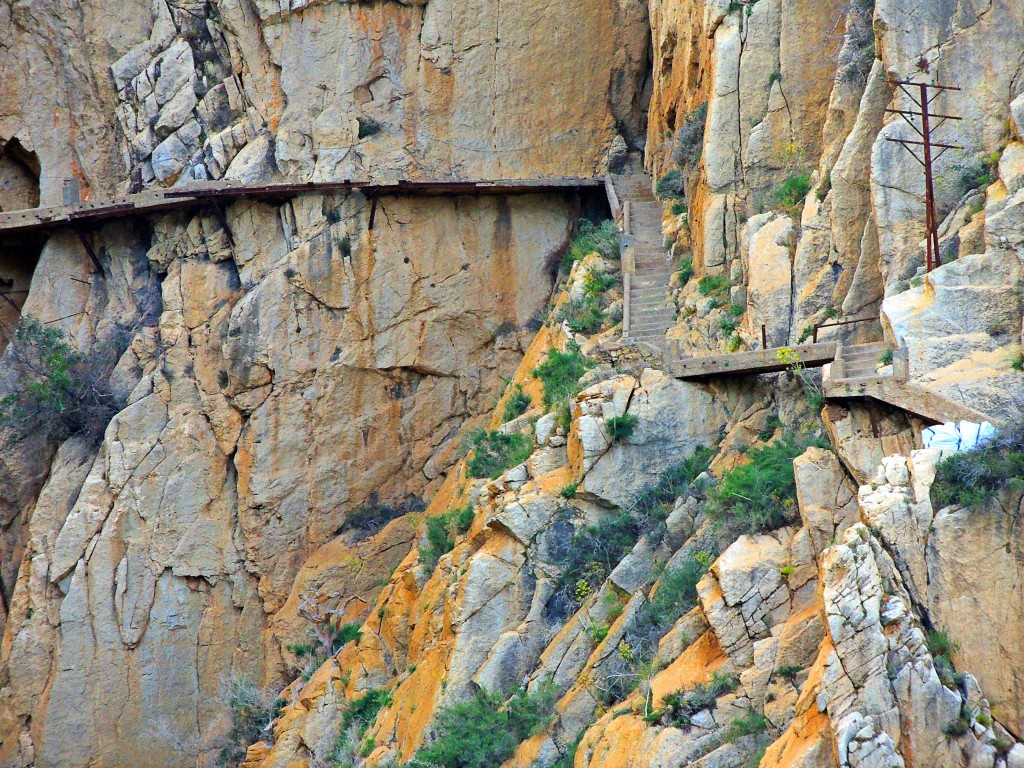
819 326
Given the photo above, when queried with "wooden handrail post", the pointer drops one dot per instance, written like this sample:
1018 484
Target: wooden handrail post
764 337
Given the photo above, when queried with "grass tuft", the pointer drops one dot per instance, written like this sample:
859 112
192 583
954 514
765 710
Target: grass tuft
442 530
792 192
560 374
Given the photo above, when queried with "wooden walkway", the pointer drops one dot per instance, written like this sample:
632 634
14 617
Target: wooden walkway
852 377
750 363
916 400
37 220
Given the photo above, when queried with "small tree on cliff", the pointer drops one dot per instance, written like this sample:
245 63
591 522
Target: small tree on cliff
54 390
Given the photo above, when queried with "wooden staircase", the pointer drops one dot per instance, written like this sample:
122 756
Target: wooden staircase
650 311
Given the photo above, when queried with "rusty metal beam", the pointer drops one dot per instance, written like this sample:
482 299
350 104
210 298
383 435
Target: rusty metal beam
373 212
89 250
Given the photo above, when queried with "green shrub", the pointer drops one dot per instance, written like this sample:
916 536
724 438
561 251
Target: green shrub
1017 362
733 343
983 720
442 530
737 310
761 494
670 185
485 731
751 724
678 707
54 390
712 284
373 514
727 325
689 141
678 207
972 478
941 644
598 282
958 727
494 452
655 502
363 711
621 427
346 634
301 650
358 716
596 549
517 404
600 238
252 710
978 174
560 374
368 127
789 672
886 358
685 270
676 593
1002 745
569 490
792 192
582 314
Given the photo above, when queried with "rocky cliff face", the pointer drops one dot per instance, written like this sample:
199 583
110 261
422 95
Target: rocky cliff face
298 387
170 92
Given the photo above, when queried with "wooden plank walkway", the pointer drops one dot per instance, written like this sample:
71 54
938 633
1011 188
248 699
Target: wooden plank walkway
912 398
156 201
751 363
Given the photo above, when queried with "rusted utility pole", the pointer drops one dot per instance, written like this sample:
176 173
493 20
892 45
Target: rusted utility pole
922 95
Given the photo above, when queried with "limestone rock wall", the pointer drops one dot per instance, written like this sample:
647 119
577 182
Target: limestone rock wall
286 367
162 93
